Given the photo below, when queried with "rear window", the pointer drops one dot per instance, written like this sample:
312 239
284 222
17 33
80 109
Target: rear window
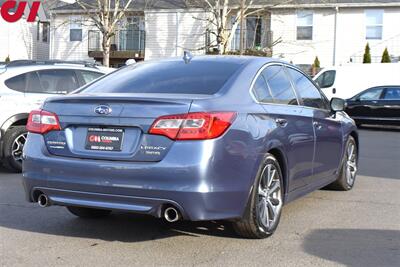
168 77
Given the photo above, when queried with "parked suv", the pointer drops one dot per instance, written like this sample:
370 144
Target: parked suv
24 85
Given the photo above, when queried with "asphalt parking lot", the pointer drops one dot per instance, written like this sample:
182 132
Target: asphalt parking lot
325 228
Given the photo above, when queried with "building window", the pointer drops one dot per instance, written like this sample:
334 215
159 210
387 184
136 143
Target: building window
45 32
253 34
374 24
304 25
75 29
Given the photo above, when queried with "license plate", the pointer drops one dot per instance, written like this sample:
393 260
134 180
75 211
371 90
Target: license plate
104 139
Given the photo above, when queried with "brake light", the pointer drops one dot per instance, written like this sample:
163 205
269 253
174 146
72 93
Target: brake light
41 121
193 126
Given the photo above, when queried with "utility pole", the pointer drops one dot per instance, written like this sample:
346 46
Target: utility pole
241 27
335 36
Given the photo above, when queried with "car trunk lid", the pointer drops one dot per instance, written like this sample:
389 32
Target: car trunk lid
111 127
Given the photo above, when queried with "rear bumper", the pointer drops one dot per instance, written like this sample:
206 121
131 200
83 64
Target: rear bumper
193 177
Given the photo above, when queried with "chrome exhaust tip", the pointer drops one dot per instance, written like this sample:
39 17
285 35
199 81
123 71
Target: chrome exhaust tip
43 201
171 214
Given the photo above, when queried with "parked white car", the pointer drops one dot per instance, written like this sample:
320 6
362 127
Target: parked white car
24 85
348 80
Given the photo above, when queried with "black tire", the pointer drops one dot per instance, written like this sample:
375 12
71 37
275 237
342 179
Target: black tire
9 160
343 183
88 213
251 225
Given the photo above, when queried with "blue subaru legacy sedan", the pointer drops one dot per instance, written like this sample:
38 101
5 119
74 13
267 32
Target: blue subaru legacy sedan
211 138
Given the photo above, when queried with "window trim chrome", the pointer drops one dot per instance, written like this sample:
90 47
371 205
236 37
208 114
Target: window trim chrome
259 72
316 87
300 103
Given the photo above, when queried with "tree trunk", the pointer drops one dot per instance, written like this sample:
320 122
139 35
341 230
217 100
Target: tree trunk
106 50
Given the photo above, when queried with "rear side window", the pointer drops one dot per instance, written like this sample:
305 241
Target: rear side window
24 83
261 91
280 86
17 83
392 94
44 82
168 77
89 76
310 95
56 82
326 79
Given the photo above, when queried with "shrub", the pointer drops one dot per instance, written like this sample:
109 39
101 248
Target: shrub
367 54
386 57
252 52
316 64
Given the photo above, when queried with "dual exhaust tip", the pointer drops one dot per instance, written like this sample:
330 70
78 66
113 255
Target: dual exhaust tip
170 214
43 201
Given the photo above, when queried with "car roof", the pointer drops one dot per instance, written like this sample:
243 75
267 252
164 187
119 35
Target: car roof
10 71
50 66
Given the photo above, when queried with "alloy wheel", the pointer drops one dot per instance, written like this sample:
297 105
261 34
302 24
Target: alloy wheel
269 197
18 146
351 163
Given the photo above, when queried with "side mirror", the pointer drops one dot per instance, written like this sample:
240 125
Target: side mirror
338 104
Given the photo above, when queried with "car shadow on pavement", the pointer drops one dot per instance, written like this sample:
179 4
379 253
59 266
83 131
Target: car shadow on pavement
123 227
16 213
355 247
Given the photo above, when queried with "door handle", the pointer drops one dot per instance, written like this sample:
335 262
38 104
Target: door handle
281 122
317 125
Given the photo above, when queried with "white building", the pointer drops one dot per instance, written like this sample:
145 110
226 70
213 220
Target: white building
164 29
335 31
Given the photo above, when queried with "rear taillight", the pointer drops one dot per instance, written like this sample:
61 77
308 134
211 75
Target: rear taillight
41 121
193 126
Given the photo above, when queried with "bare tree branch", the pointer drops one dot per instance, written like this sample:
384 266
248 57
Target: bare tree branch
105 14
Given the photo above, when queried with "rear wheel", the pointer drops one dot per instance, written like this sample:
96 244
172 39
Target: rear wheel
264 210
348 172
14 141
88 212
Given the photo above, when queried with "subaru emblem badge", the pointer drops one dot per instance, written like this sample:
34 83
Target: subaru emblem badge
103 110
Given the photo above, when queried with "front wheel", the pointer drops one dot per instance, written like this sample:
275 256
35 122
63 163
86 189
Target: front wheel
348 172
88 213
264 210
